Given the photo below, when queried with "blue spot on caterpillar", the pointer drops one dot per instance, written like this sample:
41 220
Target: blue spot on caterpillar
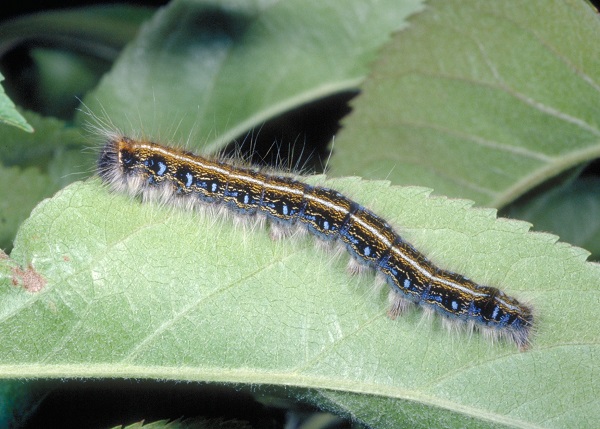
142 168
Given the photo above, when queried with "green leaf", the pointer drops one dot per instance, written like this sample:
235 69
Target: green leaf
147 291
207 73
18 400
197 423
571 211
99 285
27 188
480 99
9 114
34 166
100 31
38 148
63 53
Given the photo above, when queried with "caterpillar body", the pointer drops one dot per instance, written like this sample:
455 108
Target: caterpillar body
153 171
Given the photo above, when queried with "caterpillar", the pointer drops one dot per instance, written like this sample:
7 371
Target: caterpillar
157 172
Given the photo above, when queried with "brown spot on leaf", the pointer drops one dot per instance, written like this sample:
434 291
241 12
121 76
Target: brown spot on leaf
30 279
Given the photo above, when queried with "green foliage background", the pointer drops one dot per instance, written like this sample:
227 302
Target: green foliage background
477 100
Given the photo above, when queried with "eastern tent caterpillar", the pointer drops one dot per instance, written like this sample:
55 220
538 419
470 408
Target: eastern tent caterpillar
156 172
